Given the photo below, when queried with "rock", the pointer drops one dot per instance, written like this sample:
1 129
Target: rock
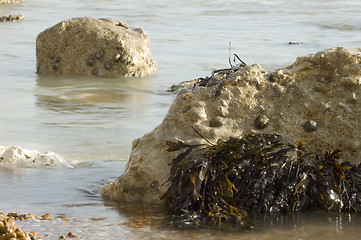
315 100
9 230
87 46
11 18
11 1
15 157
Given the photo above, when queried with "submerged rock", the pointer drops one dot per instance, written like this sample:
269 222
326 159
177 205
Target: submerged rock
88 46
11 1
323 89
15 157
11 18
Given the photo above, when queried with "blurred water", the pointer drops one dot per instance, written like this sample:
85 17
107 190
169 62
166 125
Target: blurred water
88 119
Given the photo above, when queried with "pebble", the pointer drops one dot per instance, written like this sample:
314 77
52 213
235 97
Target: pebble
10 231
69 234
47 216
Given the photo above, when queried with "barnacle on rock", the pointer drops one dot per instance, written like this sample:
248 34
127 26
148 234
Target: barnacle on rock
213 185
261 121
99 55
310 126
117 57
56 66
108 65
90 62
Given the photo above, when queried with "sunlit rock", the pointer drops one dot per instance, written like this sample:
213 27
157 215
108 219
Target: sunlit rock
11 18
11 1
88 46
15 157
315 100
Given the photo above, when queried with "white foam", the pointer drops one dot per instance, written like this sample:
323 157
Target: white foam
12 157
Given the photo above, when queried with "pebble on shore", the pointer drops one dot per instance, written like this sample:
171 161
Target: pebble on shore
10 231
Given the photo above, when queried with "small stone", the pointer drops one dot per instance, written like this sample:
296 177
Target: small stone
52 56
14 214
47 216
73 235
4 229
310 126
261 121
58 59
9 236
20 234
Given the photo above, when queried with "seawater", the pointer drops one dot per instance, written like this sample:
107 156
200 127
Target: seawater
92 121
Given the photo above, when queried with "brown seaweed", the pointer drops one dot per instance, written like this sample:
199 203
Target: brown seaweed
222 183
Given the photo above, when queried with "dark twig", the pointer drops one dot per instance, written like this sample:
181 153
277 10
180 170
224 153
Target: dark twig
202 136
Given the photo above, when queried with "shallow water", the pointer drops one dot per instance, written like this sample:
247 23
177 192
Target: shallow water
92 121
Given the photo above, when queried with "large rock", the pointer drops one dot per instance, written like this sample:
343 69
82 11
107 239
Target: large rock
315 100
86 46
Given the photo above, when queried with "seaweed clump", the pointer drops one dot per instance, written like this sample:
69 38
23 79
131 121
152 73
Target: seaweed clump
220 184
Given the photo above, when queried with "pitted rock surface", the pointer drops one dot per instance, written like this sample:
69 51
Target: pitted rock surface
87 46
316 100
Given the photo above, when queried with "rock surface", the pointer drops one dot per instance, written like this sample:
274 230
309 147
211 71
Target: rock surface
15 157
87 46
315 100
